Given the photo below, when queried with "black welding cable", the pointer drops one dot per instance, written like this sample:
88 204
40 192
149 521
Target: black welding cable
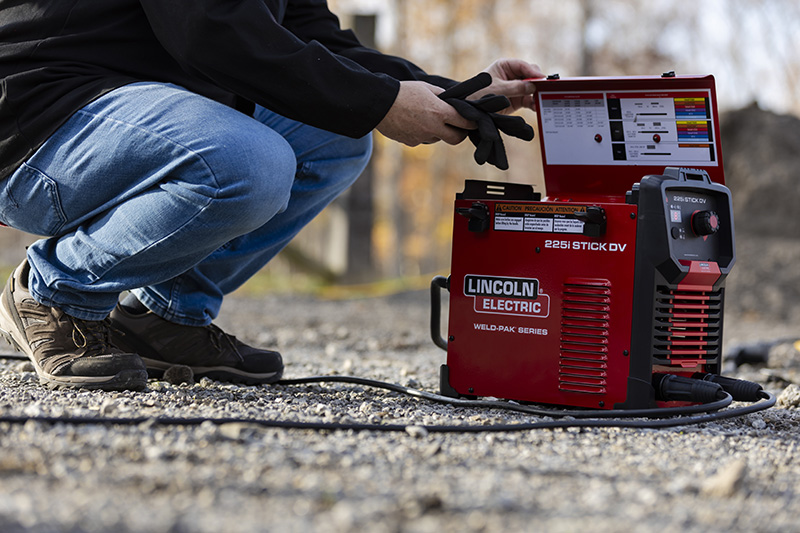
330 426
662 412
655 418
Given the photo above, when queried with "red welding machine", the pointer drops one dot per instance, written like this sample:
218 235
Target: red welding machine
615 279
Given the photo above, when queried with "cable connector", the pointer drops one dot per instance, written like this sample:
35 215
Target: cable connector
740 389
754 353
670 387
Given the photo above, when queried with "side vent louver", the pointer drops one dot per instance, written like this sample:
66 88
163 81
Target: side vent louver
687 324
583 364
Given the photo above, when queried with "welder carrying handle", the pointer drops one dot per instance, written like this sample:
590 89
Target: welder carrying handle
437 284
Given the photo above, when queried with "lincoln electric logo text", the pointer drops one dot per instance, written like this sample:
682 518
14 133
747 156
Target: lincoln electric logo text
507 296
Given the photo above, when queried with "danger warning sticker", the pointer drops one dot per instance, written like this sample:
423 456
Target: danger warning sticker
538 218
539 208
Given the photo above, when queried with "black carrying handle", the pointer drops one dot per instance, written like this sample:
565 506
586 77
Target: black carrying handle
437 284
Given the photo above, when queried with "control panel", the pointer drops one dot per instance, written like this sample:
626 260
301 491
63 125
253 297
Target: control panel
695 214
598 136
672 127
694 223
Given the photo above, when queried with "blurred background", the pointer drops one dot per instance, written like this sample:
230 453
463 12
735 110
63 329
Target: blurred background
392 229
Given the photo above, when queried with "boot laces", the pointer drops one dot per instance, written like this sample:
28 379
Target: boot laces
90 335
219 338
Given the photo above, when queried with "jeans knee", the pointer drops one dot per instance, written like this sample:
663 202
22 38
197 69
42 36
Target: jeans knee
257 183
357 154
361 149
338 166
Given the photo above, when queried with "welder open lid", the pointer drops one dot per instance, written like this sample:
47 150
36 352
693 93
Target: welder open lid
600 135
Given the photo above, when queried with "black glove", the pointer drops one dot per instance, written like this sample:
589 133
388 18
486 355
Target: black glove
487 140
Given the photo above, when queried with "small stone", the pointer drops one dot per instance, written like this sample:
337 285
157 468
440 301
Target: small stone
147 424
25 366
178 374
413 384
790 397
727 481
235 430
432 450
420 505
154 452
418 432
108 407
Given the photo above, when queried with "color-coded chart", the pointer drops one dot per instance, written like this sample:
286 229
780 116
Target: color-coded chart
693 130
628 128
691 108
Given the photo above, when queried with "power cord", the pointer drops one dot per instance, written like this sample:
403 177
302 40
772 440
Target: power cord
647 418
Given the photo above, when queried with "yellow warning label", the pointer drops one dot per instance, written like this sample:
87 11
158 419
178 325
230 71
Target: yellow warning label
548 209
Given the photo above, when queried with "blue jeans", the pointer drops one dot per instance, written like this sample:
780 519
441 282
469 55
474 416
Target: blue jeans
173 196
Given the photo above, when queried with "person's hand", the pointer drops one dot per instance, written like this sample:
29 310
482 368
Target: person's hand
418 116
508 79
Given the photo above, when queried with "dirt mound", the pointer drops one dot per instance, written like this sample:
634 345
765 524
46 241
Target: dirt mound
761 153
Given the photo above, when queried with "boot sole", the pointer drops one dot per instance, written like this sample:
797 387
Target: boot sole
228 374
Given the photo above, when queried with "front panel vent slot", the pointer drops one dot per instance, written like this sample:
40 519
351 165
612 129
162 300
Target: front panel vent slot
586 311
688 324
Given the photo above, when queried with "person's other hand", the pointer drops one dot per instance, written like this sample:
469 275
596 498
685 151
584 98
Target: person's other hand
418 116
508 79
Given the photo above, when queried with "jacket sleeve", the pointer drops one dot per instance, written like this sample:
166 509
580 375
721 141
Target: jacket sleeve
241 47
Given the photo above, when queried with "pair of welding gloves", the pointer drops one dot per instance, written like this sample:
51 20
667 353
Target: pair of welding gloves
489 147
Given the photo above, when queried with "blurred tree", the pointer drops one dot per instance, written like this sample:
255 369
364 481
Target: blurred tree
360 198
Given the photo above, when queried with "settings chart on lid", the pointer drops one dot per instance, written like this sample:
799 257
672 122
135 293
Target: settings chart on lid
628 128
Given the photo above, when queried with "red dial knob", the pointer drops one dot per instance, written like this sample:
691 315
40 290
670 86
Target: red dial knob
705 223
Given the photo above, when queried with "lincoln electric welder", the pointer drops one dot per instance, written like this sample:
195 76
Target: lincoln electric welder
612 285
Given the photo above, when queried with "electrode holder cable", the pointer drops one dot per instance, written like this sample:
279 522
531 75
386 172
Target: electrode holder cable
655 418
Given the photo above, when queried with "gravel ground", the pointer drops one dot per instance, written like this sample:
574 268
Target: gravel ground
739 474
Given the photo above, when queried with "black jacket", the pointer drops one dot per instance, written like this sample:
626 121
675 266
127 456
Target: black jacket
290 56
